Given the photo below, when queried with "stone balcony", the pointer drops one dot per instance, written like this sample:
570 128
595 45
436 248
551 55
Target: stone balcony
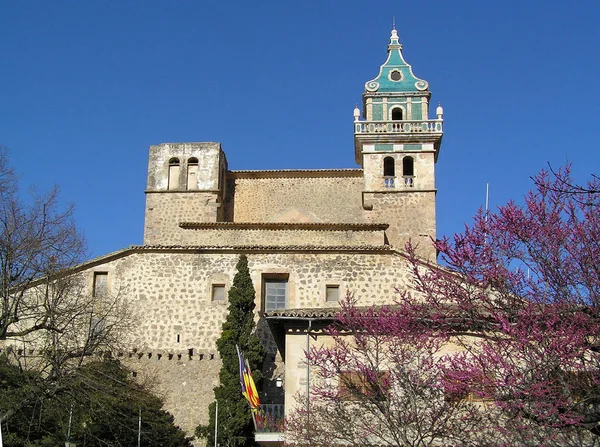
398 127
392 182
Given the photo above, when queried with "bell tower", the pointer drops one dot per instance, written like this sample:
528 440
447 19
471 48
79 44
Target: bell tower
398 145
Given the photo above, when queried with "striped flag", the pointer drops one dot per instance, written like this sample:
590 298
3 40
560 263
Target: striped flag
248 387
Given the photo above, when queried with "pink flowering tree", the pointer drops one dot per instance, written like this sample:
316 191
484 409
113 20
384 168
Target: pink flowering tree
499 344
379 382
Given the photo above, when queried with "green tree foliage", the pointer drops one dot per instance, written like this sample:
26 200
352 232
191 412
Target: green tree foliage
104 402
235 427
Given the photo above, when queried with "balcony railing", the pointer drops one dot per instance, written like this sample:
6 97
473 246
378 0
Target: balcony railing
374 127
270 419
407 181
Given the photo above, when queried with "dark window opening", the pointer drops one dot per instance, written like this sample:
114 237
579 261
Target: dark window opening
408 166
397 114
389 168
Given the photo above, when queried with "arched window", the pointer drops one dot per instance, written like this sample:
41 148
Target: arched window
408 171
173 173
389 171
396 114
408 166
192 173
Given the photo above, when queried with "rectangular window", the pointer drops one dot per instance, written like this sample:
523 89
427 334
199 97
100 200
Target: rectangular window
97 327
355 385
332 293
218 292
477 388
100 287
275 293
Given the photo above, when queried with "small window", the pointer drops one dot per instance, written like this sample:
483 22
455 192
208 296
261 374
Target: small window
332 293
275 293
408 166
100 287
397 114
173 174
218 292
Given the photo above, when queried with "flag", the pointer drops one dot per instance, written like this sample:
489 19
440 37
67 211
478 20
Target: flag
247 383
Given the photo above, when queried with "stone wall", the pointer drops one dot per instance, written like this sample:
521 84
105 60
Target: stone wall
184 382
280 236
177 323
170 290
166 209
295 196
210 160
410 215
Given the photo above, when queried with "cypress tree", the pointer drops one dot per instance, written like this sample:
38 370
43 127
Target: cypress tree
235 427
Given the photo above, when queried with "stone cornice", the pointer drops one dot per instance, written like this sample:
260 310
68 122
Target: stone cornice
311 226
262 249
298 173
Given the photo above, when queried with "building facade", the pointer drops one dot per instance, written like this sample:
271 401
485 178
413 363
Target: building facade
309 235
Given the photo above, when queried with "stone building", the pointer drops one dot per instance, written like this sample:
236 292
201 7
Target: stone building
309 235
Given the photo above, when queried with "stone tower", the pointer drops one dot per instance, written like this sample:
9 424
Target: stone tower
186 183
397 145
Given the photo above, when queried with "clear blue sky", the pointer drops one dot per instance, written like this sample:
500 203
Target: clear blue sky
87 86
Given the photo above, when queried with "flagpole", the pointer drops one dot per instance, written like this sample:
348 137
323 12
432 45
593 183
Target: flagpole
216 420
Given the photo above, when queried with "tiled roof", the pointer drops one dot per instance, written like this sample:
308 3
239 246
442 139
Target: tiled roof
326 312
315 226
291 173
381 248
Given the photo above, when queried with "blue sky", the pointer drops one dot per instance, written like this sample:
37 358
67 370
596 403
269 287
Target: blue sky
87 86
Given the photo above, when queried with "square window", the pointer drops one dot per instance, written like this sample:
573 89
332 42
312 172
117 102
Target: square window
275 293
218 292
100 287
332 293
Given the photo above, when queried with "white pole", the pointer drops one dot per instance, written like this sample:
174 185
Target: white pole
487 199
216 420
140 427
1 435
70 418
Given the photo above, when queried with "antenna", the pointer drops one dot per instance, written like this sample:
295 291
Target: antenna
487 200
393 22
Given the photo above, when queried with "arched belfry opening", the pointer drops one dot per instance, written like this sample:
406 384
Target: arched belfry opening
397 114
174 169
192 173
389 171
408 170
